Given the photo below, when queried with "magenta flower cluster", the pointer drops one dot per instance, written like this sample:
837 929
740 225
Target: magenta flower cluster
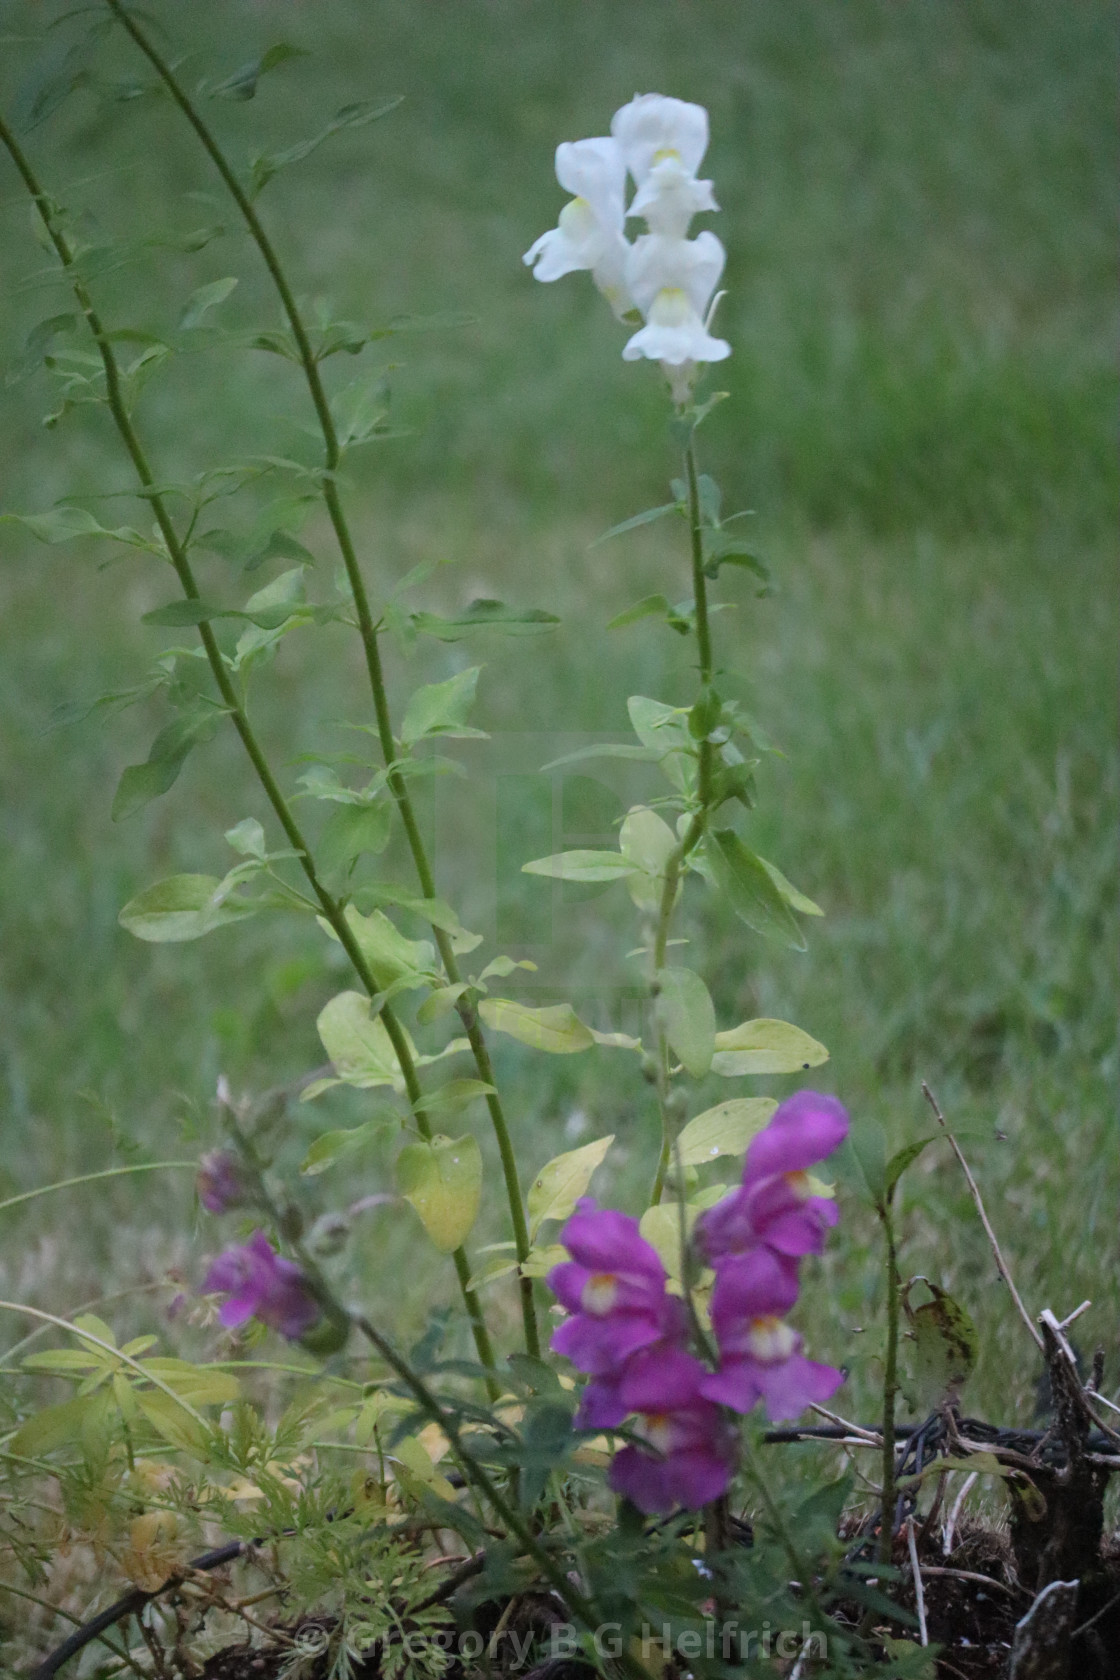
630 1335
261 1284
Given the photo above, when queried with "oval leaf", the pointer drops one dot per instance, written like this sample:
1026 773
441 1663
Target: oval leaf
357 1043
443 1181
766 1047
557 1028
558 1186
182 907
724 1130
688 1016
581 866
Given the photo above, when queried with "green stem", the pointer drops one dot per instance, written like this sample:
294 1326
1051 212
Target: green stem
331 910
367 630
890 1388
695 830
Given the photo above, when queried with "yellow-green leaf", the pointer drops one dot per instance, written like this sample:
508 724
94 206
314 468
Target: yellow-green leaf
443 1181
540 1261
724 1130
199 1385
661 1227
172 1423
556 1028
766 1047
357 1044
559 1185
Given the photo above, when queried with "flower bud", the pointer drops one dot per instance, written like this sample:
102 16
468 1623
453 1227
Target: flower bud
221 1181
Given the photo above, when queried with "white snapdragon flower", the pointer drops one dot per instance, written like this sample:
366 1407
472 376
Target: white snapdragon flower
652 128
672 282
589 233
669 197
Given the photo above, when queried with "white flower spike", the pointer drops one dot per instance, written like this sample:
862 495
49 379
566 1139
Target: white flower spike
664 276
589 233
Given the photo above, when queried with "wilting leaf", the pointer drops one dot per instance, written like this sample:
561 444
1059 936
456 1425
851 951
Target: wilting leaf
946 1344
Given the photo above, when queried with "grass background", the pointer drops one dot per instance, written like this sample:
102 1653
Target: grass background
917 209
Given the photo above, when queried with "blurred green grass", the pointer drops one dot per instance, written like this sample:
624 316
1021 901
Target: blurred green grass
917 208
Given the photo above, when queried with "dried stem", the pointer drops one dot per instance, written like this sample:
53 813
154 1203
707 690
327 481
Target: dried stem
1001 1264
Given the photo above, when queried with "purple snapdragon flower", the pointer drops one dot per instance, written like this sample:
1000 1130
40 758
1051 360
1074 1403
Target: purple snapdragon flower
614 1289
221 1181
689 1450
760 1354
261 1284
775 1206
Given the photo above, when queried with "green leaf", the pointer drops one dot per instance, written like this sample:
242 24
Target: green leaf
796 900
688 1017
905 1157
557 1028
63 524
141 783
454 1096
485 614
199 1385
558 1186
606 749
55 1426
540 1260
653 606
361 409
664 730
581 866
745 882
946 1344
266 165
645 518
176 614
172 1423
390 956
490 1271
182 907
724 1130
766 1047
242 84
646 840
353 830
330 1147
356 1042
203 300
868 1144
247 838
443 1181
441 708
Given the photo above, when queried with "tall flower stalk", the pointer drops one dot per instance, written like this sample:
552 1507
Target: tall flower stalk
368 631
324 901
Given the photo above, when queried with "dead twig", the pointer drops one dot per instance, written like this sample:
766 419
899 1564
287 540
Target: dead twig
916 1571
978 1201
